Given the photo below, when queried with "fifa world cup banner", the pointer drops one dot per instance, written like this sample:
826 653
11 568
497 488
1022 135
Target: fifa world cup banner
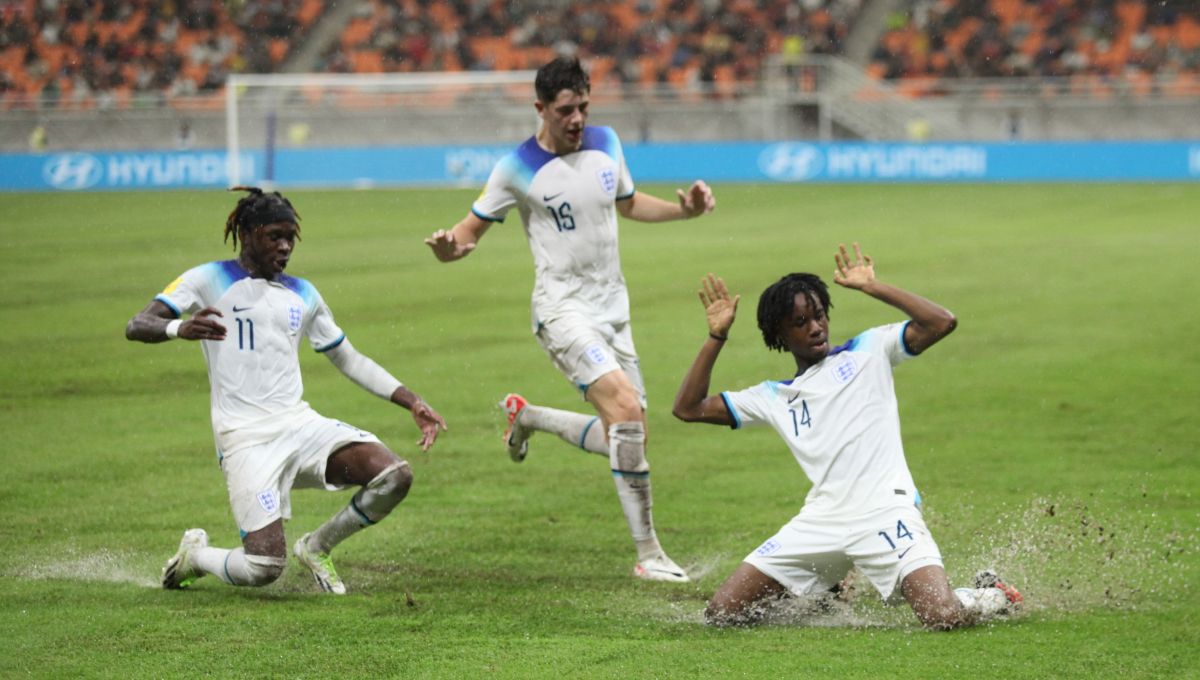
783 162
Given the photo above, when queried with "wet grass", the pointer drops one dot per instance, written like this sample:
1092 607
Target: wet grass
1053 438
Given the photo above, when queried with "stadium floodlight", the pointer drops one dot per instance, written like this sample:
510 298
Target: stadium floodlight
352 109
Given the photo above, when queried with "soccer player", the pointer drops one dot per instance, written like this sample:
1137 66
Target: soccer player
249 318
568 182
839 416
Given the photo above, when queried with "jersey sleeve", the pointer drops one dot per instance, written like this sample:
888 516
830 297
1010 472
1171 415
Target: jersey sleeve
187 293
886 341
323 332
625 187
751 405
500 194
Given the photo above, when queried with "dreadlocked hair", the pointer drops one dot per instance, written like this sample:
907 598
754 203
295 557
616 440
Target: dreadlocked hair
256 209
778 300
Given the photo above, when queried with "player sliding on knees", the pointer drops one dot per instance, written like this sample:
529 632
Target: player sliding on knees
568 182
248 317
839 416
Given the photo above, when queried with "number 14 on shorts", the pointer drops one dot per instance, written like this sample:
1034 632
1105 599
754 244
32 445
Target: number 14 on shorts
901 532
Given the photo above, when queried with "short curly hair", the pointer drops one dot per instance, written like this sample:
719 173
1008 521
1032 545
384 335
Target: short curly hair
777 301
564 73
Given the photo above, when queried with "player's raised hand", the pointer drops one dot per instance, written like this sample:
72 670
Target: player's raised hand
201 327
697 200
429 423
718 307
853 273
446 248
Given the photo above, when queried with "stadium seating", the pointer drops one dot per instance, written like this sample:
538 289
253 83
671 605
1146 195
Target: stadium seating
1080 46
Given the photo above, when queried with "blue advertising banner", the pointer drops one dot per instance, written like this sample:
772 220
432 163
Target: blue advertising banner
791 161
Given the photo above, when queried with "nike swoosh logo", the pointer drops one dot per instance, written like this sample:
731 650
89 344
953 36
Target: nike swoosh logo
552 196
901 555
241 309
793 398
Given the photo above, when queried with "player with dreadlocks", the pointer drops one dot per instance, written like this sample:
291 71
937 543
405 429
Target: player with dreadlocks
839 416
249 318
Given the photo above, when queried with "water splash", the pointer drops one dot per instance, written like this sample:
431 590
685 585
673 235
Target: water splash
103 566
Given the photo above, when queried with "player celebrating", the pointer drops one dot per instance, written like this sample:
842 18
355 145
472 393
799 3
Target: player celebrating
268 439
840 418
568 182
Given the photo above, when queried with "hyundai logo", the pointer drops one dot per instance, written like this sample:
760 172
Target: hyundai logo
791 161
72 171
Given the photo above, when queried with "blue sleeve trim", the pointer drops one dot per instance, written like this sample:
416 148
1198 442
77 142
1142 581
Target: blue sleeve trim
904 343
737 421
486 218
335 343
628 196
167 301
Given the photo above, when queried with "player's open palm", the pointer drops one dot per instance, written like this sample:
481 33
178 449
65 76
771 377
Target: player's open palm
853 272
446 248
429 422
719 308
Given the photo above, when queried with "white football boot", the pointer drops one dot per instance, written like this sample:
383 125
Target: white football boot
321 567
660 568
178 572
516 437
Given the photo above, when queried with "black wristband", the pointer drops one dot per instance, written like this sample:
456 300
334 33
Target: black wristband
716 337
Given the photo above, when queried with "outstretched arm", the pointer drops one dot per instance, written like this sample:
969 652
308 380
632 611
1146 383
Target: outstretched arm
696 201
930 321
373 378
157 323
692 402
458 242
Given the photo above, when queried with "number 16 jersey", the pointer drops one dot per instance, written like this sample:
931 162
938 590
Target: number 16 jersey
568 206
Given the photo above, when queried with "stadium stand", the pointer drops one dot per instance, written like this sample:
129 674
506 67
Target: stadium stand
1077 46
118 53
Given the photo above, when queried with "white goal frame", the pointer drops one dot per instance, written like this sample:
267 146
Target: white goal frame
240 86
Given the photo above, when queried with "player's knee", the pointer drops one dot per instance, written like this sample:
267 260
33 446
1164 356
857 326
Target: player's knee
722 614
393 482
628 447
262 570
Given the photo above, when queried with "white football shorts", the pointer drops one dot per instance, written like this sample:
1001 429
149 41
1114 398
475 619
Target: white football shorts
810 556
261 476
584 351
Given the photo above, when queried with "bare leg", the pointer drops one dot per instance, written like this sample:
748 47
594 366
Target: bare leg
928 592
740 599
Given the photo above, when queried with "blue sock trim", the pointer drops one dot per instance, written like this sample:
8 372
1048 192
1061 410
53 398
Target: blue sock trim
583 437
225 567
367 521
636 475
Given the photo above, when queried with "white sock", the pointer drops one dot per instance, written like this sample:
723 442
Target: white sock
369 505
237 568
577 429
631 474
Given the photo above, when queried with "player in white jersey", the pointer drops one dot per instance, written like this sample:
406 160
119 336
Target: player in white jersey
839 416
268 438
568 182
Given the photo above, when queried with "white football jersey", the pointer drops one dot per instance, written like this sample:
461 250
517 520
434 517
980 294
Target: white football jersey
568 206
841 420
254 372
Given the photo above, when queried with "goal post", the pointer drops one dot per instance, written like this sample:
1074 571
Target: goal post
265 112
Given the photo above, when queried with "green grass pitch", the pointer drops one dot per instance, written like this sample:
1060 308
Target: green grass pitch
1053 436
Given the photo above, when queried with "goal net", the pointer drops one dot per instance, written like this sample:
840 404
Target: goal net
266 114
